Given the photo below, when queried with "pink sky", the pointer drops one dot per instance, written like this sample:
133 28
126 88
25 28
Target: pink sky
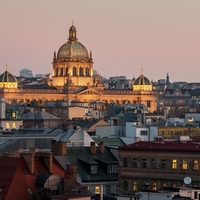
159 35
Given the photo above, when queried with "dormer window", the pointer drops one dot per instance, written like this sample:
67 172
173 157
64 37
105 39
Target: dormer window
93 169
13 114
112 168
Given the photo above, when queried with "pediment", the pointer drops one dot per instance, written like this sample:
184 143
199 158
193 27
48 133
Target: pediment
89 91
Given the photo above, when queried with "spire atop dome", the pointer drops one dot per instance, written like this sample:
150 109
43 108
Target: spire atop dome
142 71
72 33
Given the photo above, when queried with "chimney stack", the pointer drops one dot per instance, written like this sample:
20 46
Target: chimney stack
101 148
58 148
93 148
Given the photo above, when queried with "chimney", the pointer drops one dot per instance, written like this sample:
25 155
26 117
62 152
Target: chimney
70 181
29 158
71 173
58 148
93 148
17 152
101 148
47 158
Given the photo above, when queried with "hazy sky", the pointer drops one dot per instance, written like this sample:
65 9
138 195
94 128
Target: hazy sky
124 36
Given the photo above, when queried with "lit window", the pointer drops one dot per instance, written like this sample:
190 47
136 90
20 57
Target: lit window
184 164
14 114
195 165
134 186
173 184
7 125
154 186
174 164
97 190
14 125
163 185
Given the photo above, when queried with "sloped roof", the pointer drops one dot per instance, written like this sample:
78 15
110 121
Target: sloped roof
181 146
39 115
76 156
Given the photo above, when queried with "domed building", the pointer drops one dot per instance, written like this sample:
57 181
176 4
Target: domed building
142 83
7 80
73 81
73 64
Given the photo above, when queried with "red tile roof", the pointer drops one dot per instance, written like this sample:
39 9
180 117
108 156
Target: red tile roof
183 146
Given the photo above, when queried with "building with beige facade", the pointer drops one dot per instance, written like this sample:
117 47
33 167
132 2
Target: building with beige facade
72 79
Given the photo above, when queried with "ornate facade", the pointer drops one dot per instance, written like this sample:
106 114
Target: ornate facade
72 79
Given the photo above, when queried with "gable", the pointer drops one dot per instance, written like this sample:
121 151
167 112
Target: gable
89 91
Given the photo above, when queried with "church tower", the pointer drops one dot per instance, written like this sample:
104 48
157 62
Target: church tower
72 65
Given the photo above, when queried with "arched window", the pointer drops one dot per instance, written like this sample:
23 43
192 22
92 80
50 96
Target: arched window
125 185
74 71
81 71
57 71
163 185
66 71
134 186
61 71
173 184
153 185
87 72
125 162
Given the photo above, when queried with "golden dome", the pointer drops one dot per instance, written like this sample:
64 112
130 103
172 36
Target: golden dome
73 50
8 77
142 83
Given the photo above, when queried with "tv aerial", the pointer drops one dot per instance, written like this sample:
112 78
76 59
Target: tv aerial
187 180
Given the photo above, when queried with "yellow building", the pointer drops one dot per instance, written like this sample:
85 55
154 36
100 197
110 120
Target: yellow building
173 132
72 79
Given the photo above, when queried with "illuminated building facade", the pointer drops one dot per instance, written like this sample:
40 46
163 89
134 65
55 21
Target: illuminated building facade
73 80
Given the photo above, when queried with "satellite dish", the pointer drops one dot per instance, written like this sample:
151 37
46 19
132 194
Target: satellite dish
187 180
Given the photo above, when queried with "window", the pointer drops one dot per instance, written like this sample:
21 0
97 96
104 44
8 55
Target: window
143 132
61 71
125 185
144 163
97 189
184 164
154 186
134 186
39 170
87 73
134 162
153 163
125 162
14 125
174 164
148 103
14 114
81 71
25 171
93 169
163 185
74 71
112 168
7 125
195 165
163 164
173 185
